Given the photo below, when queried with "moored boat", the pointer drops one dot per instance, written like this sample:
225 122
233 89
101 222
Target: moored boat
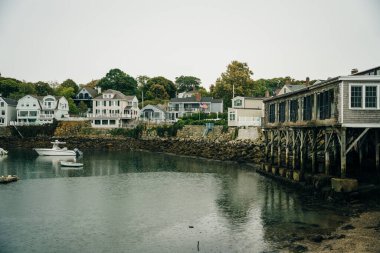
71 164
8 179
56 150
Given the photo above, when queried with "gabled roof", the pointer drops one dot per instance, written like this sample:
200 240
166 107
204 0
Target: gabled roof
9 101
93 92
158 107
368 70
193 100
295 87
250 98
118 95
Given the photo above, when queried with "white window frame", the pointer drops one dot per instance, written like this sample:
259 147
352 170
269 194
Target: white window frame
363 96
232 113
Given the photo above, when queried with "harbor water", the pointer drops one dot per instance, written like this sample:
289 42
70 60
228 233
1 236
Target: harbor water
136 201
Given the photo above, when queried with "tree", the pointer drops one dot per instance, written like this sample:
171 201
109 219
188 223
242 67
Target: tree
43 89
82 107
118 80
187 83
142 80
151 89
238 77
91 84
8 86
70 83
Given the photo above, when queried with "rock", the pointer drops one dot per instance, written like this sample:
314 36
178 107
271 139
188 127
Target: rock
298 248
191 226
316 238
348 227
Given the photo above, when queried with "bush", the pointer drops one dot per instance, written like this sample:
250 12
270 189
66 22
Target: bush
169 130
132 133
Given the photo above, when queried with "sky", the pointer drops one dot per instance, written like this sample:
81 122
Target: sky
52 40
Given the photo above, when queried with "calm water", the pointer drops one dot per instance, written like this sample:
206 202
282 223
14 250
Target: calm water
145 202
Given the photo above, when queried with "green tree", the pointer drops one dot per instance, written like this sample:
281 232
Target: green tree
43 89
82 107
187 83
70 83
238 77
151 88
118 80
8 86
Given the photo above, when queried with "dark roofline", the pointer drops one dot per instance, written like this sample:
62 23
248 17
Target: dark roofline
368 70
311 87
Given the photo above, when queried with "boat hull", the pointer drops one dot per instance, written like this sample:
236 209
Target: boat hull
50 152
71 164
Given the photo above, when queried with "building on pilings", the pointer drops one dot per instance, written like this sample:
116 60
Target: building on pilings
330 127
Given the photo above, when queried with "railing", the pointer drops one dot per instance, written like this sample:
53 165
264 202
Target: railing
109 115
46 116
249 121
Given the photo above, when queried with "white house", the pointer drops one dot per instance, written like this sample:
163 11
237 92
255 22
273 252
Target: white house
113 109
246 111
7 111
153 113
178 107
40 110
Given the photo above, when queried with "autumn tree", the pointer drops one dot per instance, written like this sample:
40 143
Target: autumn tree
238 77
118 80
187 83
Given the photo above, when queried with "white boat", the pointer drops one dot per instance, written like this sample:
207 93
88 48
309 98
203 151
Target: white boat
70 164
56 150
3 151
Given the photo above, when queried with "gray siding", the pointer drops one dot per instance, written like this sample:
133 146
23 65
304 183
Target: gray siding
356 116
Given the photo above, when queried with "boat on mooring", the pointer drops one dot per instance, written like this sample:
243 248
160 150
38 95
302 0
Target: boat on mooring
3 151
8 179
57 151
71 164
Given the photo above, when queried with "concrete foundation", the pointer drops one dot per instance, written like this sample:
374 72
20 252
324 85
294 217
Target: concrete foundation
344 184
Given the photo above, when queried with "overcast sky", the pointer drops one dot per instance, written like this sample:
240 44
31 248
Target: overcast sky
51 40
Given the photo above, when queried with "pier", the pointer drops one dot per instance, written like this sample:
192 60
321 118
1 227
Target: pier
331 127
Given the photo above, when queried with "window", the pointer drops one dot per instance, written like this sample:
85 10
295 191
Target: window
293 110
23 113
238 102
307 107
112 122
2 104
371 96
104 103
86 96
272 113
80 96
104 122
356 96
97 103
232 116
156 115
2 112
33 113
109 103
281 112
325 99
97 122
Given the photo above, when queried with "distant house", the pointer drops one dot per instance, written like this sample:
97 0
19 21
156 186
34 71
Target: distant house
86 94
178 107
187 94
7 111
113 109
246 111
287 88
153 113
41 109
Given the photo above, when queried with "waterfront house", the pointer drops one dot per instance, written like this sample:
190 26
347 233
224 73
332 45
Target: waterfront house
153 113
246 111
178 107
41 109
113 109
343 111
86 94
8 111
290 88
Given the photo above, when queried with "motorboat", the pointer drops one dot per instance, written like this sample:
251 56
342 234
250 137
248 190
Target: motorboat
8 179
3 151
56 150
70 164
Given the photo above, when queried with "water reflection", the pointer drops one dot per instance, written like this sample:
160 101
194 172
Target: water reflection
148 206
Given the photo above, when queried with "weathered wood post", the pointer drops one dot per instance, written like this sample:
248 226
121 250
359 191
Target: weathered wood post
279 148
272 146
327 154
302 151
287 149
294 149
314 152
343 152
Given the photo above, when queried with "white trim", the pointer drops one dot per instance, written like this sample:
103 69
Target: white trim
362 125
363 86
360 78
341 87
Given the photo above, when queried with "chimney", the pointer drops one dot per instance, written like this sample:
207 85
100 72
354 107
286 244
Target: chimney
307 81
267 93
354 71
98 89
198 97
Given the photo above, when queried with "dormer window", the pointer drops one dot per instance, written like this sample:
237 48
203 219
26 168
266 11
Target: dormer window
238 102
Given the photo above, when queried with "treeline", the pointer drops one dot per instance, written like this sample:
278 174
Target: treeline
237 79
